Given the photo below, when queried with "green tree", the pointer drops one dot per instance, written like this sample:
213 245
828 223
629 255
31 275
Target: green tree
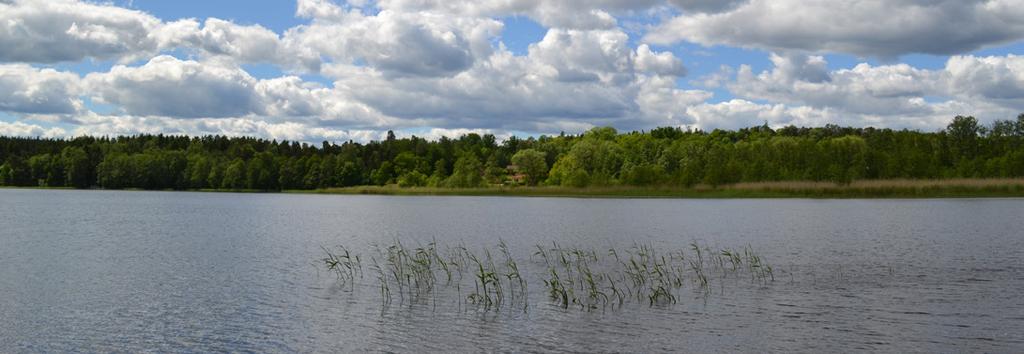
439 175
199 171
467 173
78 168
531 163
6 175
963 137
383 175
412 179
234 175
569 171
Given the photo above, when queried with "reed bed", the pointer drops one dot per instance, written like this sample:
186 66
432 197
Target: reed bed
580 278
889 188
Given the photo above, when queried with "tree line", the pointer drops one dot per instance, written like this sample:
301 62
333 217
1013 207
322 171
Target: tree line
599 157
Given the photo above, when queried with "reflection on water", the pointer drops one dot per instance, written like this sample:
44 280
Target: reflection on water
128 271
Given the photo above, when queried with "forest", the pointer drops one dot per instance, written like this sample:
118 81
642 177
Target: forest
599 157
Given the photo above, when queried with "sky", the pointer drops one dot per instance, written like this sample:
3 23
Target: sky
330 70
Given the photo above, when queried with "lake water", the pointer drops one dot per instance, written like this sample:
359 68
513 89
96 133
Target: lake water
100 271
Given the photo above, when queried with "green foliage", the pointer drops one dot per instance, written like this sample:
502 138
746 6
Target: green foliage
669 157
532 164
78 169
467 173
6 175
234 175
412 179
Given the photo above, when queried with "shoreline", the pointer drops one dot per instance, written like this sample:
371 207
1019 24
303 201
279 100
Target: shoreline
879 189
866 189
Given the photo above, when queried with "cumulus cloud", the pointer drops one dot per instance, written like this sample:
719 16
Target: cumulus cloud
29 130
662 104
51 31
997 79
47 31
706 6
879 28
887 95
397 42
440 67
167 86
38 91
569 14
801 79
294 131
243 44
740 113
174 88
658 63
568 77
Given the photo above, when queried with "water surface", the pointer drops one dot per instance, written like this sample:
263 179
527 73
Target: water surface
172 271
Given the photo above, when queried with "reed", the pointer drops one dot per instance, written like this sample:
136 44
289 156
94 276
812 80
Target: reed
573 277
343 264
888 188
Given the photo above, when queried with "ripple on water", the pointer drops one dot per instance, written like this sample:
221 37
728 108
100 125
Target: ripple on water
188 272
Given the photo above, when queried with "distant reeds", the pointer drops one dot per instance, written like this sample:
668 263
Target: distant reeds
889 188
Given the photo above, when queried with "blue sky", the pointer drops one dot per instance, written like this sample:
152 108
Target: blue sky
333 70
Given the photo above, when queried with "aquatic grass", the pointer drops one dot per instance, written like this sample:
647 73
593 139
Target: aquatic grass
886 188
572 277
344 265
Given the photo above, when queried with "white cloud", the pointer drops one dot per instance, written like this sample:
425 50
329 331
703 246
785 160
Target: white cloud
243 44
29 130
897 95
881 28
662 104
174 88
706 6
51 31
440 67
295 131
568 78
739 113
569 14
996 79
47 31
658 63
38 91
428 44
166 86
798 79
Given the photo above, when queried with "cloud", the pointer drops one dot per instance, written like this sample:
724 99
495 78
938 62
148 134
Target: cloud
439 67
174 88
48 31
399 43
740 113
52 31
568 78
167 86
896 95
662 104
96 125
290 97
658 63
29 130
567 14
241 44
707 6
38 91
800 79
996 79
876 28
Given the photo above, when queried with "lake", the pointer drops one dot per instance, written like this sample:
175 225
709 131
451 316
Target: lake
101 271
